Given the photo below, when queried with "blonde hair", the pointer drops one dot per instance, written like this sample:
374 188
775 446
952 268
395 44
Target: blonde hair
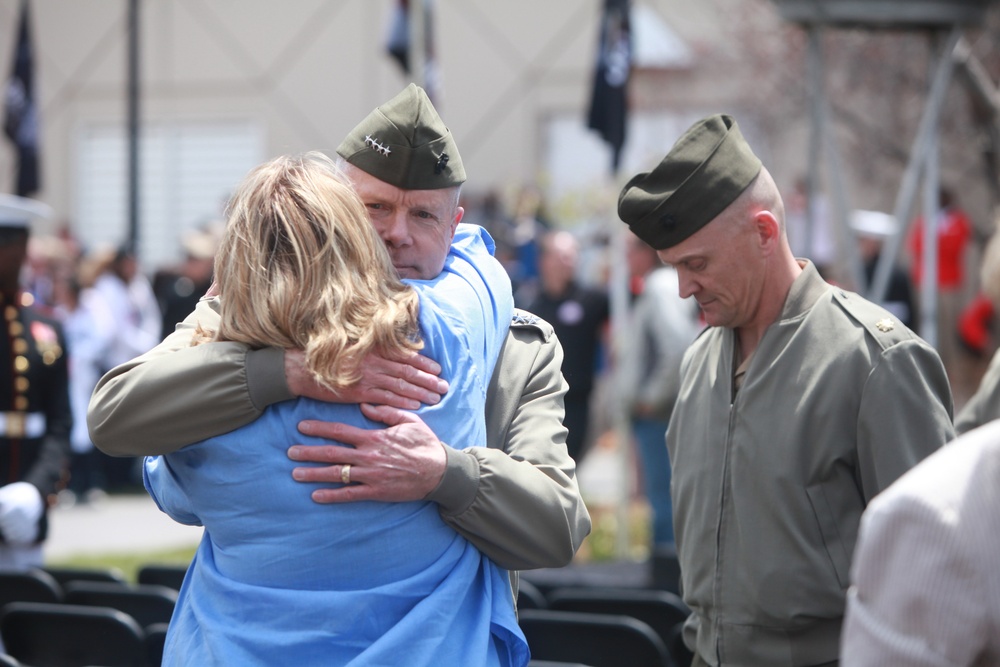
301 266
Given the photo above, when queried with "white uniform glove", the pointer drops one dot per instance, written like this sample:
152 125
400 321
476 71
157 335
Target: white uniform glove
21 507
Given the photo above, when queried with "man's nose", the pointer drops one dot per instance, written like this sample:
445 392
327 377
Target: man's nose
685 285
396 230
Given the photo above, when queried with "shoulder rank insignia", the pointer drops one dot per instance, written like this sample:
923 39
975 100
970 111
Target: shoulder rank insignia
885 325
521 317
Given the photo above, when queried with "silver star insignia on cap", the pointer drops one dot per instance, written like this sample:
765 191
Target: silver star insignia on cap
885 325
374 144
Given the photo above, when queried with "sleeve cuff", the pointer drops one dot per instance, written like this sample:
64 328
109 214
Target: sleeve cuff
457 489
266 382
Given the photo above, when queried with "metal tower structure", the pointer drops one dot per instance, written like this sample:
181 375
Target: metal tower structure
945 20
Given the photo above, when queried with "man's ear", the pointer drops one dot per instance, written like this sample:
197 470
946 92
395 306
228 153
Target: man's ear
768 229
459 214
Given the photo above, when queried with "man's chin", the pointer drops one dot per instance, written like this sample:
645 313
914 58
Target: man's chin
410 272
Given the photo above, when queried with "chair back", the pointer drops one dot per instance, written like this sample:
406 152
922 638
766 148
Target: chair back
28 586
599 640
146 603
156 639
63 635
171 576
529 597
666 569
65 575
658 609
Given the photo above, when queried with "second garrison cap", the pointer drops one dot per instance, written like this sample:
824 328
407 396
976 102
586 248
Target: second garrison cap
19 212
704 172
405 143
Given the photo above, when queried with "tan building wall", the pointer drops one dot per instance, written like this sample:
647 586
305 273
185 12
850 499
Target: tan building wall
302 72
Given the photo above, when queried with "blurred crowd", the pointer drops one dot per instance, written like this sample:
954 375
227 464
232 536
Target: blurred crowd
111 312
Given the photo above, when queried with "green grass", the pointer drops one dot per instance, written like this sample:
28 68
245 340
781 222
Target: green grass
129 563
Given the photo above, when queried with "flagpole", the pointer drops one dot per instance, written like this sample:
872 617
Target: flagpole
418 46
133 125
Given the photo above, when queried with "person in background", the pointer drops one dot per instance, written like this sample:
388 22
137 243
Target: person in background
514 495
984 405
179 289
954 231
809 228
35 415
128 297
924 585
797 406
871 229
579 316
89 330
661 326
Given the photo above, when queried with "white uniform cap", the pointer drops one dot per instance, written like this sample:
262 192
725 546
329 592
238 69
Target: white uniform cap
19 212
873 224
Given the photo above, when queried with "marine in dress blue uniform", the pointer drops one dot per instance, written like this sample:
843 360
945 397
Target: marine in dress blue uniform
35 417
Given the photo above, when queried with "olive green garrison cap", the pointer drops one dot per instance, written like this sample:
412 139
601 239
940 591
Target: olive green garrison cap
405 143
704 172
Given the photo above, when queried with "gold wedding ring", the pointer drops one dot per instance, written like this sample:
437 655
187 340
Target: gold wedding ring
345 473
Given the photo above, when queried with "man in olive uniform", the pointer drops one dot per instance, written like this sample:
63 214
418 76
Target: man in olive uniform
515 496
798 404
35 417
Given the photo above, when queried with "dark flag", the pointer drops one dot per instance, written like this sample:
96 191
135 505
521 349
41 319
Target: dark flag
608 110
400 43
20 113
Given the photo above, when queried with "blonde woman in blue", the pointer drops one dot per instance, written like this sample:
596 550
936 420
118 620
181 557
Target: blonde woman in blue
279 579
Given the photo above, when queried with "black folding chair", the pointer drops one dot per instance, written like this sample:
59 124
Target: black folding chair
599 640
666 569
658 609
62 635
171 576
529 597
148 604
156 638
8 661
682 655
65 575
28 586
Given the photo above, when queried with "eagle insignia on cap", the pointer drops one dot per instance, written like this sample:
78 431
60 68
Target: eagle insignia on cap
885 325
374 144
442 162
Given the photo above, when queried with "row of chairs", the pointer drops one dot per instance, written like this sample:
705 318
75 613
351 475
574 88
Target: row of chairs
604 627
97 617
101 619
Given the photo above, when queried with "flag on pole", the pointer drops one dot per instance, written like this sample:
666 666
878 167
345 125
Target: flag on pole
608 104
20 113
398 44
411 43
